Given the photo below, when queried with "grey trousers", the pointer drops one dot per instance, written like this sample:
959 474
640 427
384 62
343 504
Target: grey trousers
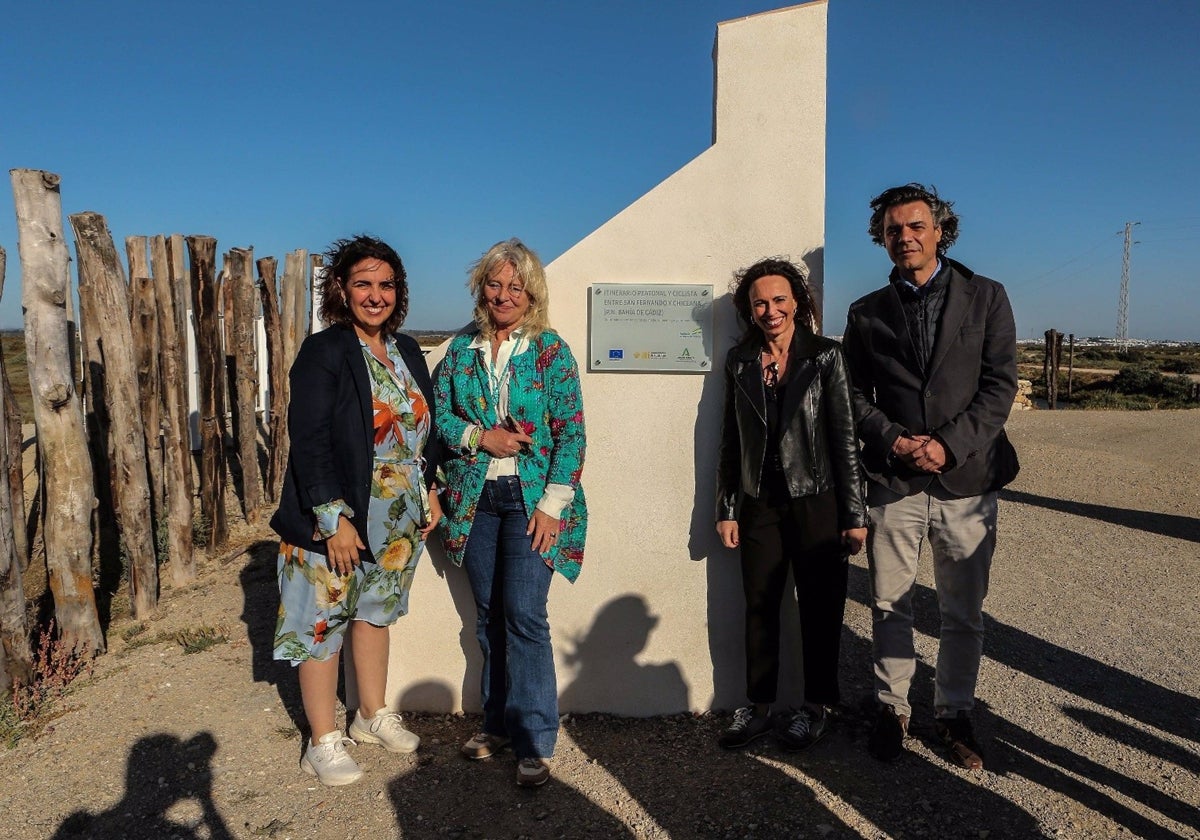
962 537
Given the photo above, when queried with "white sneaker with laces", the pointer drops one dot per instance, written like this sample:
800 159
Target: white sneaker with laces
329 761
386 729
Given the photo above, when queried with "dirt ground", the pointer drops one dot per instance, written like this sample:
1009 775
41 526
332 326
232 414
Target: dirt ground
1089 703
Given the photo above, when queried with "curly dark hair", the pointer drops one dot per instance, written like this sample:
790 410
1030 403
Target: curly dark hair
340 259
943 214
795 274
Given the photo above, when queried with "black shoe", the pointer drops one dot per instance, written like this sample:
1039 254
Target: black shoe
886 742
745 728
802 729
958 737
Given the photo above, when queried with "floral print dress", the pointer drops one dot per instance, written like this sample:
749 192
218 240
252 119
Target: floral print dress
316 604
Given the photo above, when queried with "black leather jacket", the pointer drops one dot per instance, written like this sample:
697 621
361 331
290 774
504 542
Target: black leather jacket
818 445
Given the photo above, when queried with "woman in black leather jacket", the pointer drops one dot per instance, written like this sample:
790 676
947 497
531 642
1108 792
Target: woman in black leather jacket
789 494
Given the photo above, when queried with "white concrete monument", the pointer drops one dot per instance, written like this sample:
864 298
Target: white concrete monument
654 624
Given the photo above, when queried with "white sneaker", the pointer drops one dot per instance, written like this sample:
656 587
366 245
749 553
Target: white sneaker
387 729
329 761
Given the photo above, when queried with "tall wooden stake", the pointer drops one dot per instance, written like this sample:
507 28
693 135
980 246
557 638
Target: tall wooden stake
56 409
144 319
177 447
103 291
1070 366
294 305
16 658
202 252
245 306
276 376
1050 366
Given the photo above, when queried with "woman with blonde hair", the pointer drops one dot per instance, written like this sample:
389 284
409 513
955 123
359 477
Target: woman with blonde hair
510 413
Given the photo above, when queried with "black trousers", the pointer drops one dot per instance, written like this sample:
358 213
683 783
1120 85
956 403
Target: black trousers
777 533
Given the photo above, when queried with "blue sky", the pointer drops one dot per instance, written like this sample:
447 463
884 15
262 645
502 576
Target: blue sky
444 127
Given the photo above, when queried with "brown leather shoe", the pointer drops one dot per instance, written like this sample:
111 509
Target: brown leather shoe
886 741
958 736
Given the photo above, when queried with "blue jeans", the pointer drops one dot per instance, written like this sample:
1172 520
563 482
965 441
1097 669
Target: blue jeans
511 582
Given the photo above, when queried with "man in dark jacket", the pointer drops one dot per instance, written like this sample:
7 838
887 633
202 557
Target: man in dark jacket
932 359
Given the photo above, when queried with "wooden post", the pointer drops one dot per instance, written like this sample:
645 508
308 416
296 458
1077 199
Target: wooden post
177 446
16 657
16 468
144 319
56 410
103 290
1050 366
225 313
1048 378
294 305
185 324
1058 342
202 251
1070 366
245 306
276 376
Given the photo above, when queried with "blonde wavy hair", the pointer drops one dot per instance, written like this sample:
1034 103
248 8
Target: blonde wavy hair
528 269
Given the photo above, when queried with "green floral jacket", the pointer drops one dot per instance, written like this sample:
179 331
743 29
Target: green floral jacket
545 399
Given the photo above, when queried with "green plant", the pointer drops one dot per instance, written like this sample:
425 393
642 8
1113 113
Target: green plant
1108 399
1181 366
1138 379
135 629
162 541
194 640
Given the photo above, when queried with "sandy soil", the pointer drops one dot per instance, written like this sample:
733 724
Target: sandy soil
1089 707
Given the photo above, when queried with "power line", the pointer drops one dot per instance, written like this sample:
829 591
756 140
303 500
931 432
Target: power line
1106 241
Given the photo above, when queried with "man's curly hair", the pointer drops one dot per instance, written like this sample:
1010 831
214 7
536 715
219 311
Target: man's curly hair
942 210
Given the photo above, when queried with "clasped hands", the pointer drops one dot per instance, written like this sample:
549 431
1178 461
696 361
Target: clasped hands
923 453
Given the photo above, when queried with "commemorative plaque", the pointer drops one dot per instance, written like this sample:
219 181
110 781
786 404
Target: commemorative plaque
650 327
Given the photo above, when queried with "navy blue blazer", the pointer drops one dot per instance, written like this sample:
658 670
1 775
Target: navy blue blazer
332 433
963 396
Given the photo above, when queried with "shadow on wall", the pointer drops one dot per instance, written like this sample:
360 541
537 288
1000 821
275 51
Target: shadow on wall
609 678
163 774
430 694
464 604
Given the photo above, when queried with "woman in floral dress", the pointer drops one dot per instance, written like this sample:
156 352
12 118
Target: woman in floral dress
510 413
358 499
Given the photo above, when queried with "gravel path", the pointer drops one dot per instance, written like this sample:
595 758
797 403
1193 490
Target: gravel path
1089 704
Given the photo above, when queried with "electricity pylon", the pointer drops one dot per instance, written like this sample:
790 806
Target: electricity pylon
1123 304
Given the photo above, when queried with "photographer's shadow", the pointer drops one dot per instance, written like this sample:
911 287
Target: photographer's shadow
609 678
162 774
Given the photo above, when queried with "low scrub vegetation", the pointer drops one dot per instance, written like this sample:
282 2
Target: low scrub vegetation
33 704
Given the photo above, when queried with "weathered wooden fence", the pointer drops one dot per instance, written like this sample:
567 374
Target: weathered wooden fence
132 461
